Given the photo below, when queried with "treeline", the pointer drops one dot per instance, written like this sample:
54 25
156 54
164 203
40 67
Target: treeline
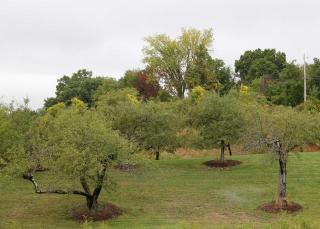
175 66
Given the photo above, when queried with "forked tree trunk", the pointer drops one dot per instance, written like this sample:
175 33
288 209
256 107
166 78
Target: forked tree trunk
222 145
92 203
91 198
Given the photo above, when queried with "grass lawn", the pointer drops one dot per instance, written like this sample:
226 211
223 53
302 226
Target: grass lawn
180 193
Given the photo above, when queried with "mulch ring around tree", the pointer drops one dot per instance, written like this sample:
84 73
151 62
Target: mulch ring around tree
126 167
222 164
108 211
272 207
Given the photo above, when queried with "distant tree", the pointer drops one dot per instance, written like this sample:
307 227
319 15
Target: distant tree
288 88
313 74
109 105
81 85
130 78
108 84
83 147
202 71
211 74
254 64
171 59
224 76
146 86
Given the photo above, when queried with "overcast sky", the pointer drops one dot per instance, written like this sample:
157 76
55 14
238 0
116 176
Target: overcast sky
41 40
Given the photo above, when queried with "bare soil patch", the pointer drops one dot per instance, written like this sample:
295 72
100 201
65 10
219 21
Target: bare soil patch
126 167
108 211
273 207
222 164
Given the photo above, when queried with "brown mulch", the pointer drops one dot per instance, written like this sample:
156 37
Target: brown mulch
222 164
272 207
108 211
126 167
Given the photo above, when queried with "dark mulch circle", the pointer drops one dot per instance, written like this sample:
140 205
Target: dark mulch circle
272 207
126 167
222 164
108 211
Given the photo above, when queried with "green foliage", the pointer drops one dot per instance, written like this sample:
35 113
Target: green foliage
217 118
108 84
312 105
82 142
292 128
197 93
129 79
111 103
152 126
288 89
256 63
15 137
171 59
7 133
81 85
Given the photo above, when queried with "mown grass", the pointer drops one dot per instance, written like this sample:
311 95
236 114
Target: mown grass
180 193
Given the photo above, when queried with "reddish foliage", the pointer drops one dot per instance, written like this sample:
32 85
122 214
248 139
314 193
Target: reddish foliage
145 86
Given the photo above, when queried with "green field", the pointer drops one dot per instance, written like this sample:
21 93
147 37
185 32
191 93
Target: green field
180 193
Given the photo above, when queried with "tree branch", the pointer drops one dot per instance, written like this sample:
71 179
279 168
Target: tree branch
38 191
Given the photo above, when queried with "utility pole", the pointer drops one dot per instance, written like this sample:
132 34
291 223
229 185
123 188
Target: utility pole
304 79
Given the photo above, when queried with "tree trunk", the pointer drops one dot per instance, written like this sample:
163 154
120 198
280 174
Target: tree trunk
222 150
229 148
157 155
282 182
92 200
92 203
282 189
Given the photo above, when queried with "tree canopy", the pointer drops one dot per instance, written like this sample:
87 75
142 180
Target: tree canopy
171 60
254 64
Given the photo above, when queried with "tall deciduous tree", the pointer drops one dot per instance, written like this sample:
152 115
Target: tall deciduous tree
211 74
254 64
172 59
288 88
81 85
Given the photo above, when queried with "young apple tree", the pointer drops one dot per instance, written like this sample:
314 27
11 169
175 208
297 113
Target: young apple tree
81 146
151 126
218 121
279 130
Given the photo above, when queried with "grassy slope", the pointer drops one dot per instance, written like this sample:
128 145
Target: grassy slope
180 193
